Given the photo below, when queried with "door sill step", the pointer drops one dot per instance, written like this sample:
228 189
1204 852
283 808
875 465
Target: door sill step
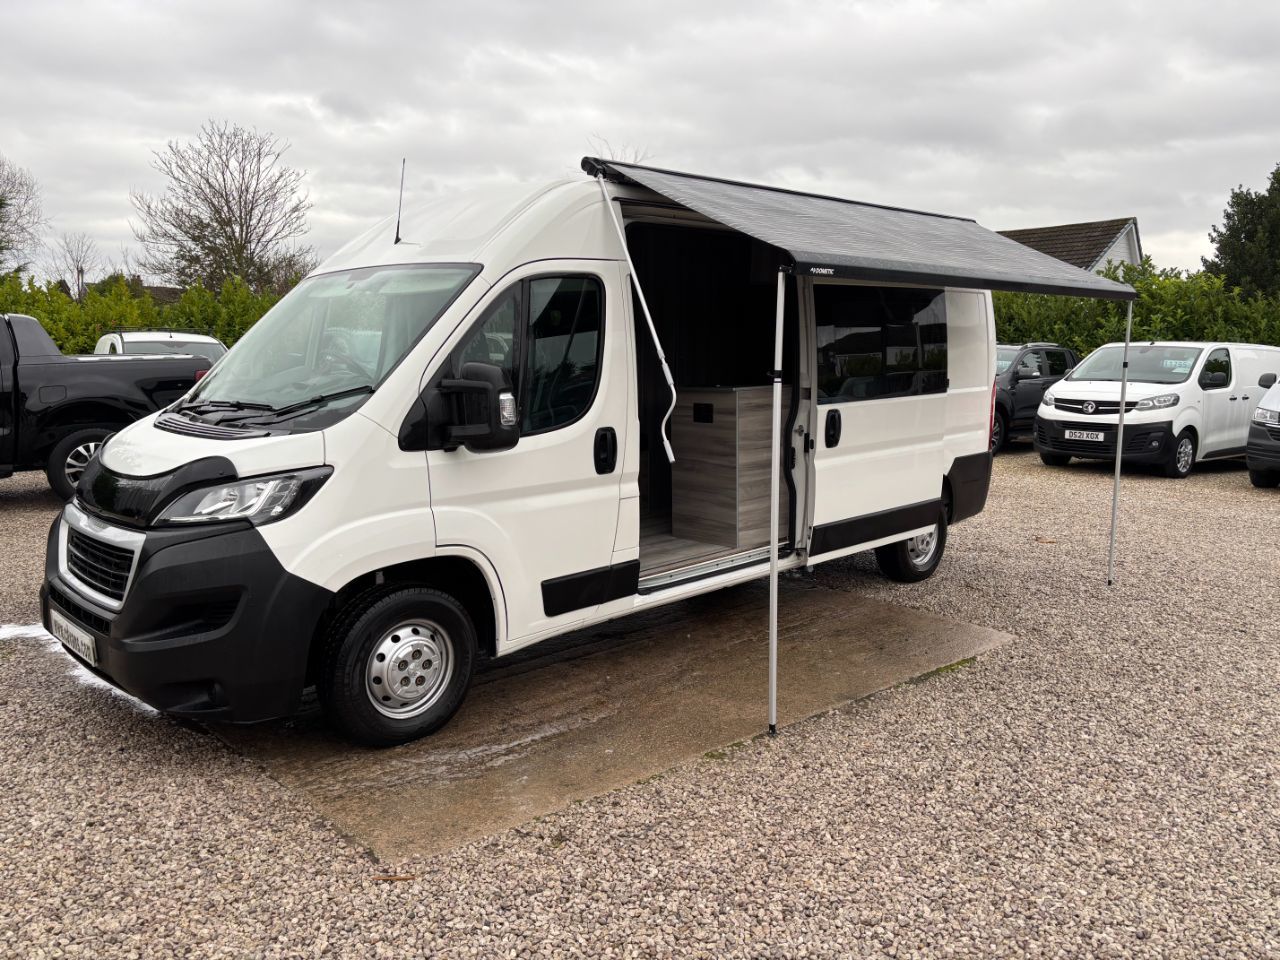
707 568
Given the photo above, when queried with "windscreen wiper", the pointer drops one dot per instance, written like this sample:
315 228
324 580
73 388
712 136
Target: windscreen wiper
226 405
321 398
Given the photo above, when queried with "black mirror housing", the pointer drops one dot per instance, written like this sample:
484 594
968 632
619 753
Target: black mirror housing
1215 379
1267 381
483 414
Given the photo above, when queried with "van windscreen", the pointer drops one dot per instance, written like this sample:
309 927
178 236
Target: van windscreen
337 336
1148 363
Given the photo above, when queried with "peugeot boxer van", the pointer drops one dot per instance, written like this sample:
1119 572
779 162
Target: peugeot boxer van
1185 402
518 413
1263 451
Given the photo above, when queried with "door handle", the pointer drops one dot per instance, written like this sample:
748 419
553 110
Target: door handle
831 431
1231 398
606 450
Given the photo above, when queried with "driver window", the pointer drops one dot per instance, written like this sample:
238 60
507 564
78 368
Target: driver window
1032 364
1219 361
566 315
493 339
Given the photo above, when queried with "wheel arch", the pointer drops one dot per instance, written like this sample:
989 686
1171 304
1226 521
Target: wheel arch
466 576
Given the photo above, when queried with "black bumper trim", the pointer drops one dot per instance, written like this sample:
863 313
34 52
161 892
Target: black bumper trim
1263 450
1143 442
212 625
970 480
590 588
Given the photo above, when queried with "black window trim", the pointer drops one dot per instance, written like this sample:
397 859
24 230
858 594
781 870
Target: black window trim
521 345
1231 367
843 282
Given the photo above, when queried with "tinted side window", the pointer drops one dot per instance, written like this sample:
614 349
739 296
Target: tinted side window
876 342
1031 364
1219 361
566 321
1059 362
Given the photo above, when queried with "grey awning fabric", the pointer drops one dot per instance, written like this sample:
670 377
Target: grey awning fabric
826 236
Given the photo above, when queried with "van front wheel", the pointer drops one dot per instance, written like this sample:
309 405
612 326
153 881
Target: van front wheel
397 664
1183 456
915 559
1264 479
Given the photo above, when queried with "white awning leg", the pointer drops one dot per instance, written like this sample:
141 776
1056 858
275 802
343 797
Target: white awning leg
774 490
1115 487
644 305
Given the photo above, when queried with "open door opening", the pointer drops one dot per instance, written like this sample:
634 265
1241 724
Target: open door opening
713 294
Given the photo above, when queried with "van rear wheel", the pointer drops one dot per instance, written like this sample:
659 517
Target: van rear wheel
915 559
397 664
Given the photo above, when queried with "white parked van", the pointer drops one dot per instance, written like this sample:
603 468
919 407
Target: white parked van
133 342
1185 402
1263 452
468 440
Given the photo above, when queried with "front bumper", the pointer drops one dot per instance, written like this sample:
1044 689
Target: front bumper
1143 442
210 626
1263 450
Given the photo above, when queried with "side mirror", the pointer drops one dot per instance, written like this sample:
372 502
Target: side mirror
1025 373
1267 381
1216 379
482 407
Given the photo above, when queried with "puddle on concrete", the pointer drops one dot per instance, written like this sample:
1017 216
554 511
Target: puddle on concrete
606 707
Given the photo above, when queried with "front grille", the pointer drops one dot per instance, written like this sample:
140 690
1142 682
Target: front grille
99 565
1273 432
77 612
1102 406
175 423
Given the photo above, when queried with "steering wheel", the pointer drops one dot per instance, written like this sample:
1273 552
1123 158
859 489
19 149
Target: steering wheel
337 352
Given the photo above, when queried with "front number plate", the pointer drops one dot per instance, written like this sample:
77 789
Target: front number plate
1094 435
73 638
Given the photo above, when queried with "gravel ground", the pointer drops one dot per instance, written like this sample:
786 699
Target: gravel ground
1107 786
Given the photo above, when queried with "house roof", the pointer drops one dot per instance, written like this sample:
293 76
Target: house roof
1082 245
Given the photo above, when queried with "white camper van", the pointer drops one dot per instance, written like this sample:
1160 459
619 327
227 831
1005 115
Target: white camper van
523 411
1184 402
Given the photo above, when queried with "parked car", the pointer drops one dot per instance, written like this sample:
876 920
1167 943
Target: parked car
1186 402
434 450
56 410
1023 374
134 342
1263 452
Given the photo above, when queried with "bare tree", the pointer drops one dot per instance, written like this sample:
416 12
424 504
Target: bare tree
625 153
74 259
21 217
231 208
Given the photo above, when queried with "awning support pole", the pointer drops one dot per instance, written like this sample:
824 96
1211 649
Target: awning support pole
644 305
1115 488
774 490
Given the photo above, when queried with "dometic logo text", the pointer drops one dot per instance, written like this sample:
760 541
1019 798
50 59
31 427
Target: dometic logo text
823 271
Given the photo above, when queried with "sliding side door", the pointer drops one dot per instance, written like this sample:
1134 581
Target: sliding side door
880 414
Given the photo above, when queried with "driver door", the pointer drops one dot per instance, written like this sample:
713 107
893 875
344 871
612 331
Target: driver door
545 511
1030 380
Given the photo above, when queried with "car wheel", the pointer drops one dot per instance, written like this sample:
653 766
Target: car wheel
397 663
1054 459
915 559
1264 479
70 456
1183 456
999 431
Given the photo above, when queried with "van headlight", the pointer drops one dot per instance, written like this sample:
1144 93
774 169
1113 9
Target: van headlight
1158 403
1266 416
1047 399
258 499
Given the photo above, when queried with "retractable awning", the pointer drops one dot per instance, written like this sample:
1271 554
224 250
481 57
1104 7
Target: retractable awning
826 236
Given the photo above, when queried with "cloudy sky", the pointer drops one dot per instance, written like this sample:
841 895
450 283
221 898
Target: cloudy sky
1016 112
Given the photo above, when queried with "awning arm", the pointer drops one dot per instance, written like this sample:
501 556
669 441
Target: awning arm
775 460
1115 487
644 305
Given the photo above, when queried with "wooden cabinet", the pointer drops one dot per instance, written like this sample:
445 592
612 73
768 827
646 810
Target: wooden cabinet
720 480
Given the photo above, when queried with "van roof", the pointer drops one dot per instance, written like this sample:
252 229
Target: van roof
1191 343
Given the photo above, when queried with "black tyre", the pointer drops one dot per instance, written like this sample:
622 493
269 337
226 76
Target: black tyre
1054 459
397 661
1264 479
999 431
70 456
1182 457
913 560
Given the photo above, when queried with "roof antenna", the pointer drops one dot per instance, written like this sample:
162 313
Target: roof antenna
400 203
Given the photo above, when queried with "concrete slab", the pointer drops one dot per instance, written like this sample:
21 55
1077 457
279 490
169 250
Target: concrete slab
606 707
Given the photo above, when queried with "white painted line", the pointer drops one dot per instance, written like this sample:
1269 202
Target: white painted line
33 631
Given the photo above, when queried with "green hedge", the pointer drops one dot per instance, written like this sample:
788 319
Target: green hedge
114 305
1171 305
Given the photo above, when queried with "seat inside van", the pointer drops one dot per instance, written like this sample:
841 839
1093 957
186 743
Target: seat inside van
712 293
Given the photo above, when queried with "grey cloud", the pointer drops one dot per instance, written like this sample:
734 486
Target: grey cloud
1018 113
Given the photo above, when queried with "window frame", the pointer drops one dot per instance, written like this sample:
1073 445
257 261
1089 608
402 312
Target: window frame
520 348
939 292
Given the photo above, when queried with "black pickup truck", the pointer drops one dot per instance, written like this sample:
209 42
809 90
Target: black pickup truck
55 410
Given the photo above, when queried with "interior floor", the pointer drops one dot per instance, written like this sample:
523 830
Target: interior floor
660 552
